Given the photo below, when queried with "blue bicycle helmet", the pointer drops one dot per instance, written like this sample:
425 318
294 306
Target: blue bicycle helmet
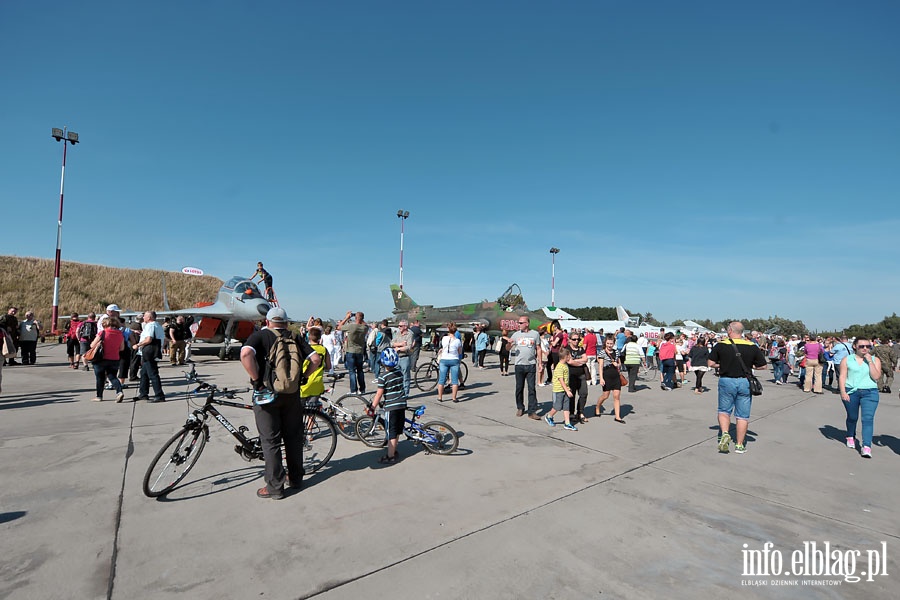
389 357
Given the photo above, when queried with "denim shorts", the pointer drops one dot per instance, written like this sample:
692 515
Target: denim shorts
734 396
448 365
560 401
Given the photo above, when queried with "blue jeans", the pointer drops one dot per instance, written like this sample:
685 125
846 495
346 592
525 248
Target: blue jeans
668 371
448 365
104 371
404 365
777 369
865 401
354 363
734 396
525 374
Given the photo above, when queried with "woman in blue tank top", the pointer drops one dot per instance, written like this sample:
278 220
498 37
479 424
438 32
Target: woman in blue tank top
859 391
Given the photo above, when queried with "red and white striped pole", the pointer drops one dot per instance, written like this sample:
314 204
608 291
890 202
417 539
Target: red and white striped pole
65 137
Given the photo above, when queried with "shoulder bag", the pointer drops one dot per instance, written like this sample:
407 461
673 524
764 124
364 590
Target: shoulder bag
95 354
756 388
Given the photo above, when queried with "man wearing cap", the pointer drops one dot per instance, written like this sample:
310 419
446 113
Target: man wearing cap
282 418
150 349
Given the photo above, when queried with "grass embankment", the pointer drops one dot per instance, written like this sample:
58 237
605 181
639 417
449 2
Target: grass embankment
28 284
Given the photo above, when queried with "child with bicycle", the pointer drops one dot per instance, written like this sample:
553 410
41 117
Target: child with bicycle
390 395
561 391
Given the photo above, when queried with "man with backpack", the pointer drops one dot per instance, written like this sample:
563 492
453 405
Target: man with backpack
87 331
273 358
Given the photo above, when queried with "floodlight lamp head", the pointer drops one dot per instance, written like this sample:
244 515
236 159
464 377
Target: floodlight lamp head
72 137
405 214
57 133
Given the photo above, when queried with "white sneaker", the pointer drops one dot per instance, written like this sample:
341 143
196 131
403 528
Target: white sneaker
851 443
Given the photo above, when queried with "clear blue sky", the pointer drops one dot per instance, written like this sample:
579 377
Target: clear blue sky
692 159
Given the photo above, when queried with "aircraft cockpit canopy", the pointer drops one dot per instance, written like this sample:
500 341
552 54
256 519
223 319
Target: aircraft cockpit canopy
247 289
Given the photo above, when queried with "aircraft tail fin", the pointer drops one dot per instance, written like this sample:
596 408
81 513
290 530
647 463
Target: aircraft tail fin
621 314
402 301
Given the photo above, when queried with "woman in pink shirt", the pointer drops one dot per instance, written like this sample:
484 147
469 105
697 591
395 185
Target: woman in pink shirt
814 361
107 368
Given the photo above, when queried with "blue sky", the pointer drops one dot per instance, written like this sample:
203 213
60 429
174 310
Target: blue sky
692 159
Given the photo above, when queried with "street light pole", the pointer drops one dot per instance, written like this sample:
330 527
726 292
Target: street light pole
553 253
402 215
66 137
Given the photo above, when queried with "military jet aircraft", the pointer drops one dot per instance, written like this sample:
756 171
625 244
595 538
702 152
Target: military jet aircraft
495 316
237 308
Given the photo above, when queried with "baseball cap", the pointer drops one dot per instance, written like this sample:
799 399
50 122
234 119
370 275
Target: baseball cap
276 315
114 307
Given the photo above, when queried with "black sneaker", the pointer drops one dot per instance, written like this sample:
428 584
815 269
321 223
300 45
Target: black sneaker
161 399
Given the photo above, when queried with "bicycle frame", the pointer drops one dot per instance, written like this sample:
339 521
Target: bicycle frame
199 417
413 430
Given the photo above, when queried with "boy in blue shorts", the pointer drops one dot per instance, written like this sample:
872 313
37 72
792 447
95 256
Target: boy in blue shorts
390 393
561 391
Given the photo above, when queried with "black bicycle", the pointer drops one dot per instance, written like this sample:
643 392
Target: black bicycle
426 376
180 453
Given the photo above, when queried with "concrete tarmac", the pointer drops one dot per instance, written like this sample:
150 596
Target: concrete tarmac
645 509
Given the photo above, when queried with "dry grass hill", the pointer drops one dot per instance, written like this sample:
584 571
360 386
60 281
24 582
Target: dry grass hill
28 284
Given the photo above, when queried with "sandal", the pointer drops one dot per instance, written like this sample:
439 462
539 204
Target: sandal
618 420
583 419
388 460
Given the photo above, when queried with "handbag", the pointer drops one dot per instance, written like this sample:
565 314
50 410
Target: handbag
9 346
622 379
756 388
95 354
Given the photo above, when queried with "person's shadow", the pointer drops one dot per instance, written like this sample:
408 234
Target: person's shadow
732 431
887 441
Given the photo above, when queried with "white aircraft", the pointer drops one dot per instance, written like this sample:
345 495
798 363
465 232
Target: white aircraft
651 332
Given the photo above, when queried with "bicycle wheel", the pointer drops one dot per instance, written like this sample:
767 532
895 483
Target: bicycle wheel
319 440
370 431
439 437
463 373
346 411
427 376
644 373
174 461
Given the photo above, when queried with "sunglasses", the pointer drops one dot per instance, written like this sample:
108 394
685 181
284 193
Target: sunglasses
574 339
864 345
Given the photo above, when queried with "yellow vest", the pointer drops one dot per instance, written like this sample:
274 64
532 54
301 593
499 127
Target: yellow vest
315 386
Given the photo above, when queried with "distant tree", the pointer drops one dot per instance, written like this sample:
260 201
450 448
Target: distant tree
887 328
677 323
650 320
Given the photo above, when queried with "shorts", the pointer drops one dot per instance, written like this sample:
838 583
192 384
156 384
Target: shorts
72 348
85 346
734 396
611 379
395 421
451 365
560 401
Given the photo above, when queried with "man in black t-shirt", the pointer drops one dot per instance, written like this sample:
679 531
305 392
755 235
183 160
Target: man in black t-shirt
282 418
734 387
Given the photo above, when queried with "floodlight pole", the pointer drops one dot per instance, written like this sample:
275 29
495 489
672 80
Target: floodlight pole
402 215
66 138
553 253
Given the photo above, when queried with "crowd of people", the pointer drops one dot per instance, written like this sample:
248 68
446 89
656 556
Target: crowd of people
569 361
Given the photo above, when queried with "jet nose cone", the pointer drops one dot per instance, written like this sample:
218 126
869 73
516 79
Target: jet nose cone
263 308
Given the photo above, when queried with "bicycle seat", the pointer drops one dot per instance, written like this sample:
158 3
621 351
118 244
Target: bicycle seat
418 410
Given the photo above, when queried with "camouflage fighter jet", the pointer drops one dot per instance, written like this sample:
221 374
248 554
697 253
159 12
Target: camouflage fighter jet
502 314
